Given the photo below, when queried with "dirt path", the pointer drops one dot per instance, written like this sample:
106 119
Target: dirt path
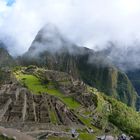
48 131
13 133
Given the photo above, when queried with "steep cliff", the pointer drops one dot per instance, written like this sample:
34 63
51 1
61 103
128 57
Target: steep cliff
6 59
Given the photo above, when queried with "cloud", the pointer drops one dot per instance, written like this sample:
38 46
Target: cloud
90 23
3 11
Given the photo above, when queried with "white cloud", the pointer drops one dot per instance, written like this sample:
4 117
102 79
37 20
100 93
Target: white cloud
3 10
87 22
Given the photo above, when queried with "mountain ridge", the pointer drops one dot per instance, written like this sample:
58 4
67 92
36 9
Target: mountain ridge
42 99
93 68
50 92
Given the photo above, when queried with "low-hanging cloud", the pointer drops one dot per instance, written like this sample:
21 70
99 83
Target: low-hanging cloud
90 23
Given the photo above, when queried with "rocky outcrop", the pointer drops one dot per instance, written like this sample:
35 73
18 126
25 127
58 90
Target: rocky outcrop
6 59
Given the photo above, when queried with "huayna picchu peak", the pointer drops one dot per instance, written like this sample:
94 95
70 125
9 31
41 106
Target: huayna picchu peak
82 63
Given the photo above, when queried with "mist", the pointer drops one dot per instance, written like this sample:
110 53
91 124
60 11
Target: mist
88 23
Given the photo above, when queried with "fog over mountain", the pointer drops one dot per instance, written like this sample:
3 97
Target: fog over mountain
90 23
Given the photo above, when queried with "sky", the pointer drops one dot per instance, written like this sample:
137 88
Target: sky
90 23
10 2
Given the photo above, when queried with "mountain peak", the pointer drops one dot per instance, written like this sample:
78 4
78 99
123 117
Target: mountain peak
48 39
2 45
49 29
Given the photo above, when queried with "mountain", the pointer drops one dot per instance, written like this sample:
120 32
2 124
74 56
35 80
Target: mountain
6 62
6 59
51 50
127 61
45 103
59 90
134 76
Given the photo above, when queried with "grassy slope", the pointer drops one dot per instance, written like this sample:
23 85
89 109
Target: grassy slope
125 118
110 110
119 114
34 85
83 136
110 81
53 117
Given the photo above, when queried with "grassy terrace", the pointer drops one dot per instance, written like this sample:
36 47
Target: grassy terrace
34 85
83 136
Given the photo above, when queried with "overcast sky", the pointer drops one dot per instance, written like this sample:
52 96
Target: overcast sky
89 23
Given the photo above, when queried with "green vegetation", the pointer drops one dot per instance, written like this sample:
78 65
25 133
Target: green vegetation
86 121
60 138
134 76
100 73
4 138
107 112
109 80
125 118
125 90
87 136
82 136
53 117
34 84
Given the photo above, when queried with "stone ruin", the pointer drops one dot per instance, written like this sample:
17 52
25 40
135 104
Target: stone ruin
19 107
69 86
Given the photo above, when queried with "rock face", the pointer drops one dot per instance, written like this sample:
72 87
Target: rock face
82 63
5 58
134 76
5 75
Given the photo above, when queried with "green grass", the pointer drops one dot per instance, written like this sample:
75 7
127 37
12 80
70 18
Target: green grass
125 118
4 138
53 117
82 136
86 121
108 110
87 136
35 86
60 138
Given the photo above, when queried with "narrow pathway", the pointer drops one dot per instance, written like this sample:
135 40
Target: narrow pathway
47 131
13 133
